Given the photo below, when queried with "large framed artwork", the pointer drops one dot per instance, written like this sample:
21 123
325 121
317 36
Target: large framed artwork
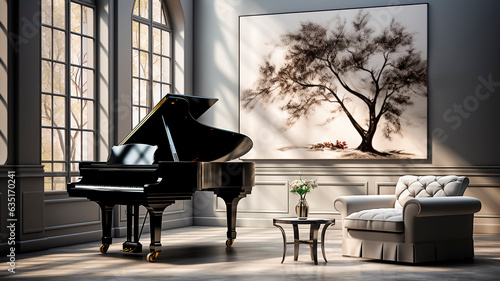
340 84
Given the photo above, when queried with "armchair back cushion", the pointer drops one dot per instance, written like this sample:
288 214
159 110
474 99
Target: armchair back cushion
409 187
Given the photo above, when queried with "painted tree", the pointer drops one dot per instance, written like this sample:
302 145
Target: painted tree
336 65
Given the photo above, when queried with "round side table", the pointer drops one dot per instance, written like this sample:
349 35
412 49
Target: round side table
315 224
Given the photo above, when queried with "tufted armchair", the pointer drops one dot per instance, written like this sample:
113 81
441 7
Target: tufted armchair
427 219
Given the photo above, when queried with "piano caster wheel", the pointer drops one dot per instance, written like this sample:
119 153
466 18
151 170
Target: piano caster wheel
152 256
229 242
104 248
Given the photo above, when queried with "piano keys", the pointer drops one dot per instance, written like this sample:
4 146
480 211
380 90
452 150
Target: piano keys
167 157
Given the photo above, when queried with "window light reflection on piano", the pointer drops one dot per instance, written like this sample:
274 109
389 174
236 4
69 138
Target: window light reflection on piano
136 154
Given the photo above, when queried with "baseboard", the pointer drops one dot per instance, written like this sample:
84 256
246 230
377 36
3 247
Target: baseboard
52 242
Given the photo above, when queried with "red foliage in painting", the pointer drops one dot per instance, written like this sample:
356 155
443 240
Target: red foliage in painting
337 145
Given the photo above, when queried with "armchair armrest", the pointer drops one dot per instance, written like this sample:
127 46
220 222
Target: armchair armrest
439 218
347 205
441 206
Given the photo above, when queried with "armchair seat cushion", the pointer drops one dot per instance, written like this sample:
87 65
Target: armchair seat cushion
383 219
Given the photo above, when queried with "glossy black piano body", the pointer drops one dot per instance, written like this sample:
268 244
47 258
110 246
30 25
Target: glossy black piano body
203 154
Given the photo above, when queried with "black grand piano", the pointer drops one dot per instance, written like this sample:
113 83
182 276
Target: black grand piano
188 156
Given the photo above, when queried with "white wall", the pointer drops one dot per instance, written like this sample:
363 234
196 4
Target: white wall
463 118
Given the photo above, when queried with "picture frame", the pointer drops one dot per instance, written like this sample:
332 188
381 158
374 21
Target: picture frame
336 84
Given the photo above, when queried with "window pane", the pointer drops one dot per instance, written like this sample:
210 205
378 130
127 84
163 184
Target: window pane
59 45
47 12
165 89
135 34
88 114
59 144
156 93
76 82
88 83
76 146
46 76
59 78
157 11
144 112
135 63
88 21
59 112
165 43
46 110
47 167
46 144
144 70
59 183
135 116
88 52
46 43
59 13
157 40
59 167
47 183
76 114
144 93
144 9
76 49
136 8
76 18
74 168
135 91
165 74
144 37
88 146
156 68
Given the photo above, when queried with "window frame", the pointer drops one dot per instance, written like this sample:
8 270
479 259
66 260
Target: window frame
67 172
151 23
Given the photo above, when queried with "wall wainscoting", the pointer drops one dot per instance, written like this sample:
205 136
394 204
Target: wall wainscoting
270 197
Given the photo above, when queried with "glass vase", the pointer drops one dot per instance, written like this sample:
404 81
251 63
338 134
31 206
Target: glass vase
302 209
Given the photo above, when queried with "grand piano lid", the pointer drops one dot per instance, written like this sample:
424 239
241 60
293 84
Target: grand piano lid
193 141
197 105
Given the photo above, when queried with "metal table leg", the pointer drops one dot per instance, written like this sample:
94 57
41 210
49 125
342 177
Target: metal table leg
284 241
323 239
296 242
313 236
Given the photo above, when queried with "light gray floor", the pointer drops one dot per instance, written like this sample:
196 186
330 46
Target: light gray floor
199 253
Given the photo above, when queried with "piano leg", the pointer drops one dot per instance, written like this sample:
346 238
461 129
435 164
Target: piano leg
155 218
231 211
132 244
106 215
231 197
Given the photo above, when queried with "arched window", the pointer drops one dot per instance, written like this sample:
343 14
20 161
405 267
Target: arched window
151 56
68 88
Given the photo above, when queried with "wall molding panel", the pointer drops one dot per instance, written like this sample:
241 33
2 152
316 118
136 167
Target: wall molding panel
266 197
270 194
